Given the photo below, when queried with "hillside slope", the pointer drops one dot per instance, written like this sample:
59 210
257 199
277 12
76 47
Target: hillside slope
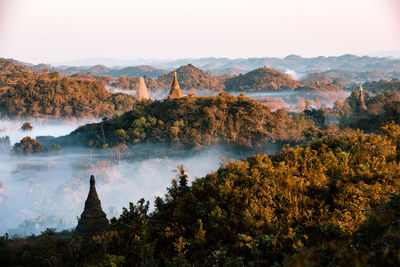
194 121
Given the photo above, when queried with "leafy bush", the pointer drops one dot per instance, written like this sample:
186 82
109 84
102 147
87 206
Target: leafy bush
27 146
195 121
26 127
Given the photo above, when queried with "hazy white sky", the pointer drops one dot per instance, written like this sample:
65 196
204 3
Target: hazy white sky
64 30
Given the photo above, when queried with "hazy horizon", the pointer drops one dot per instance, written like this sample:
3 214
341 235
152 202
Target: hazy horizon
46 31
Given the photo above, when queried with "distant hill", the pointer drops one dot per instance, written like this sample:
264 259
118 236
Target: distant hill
137 71
232 70
98 70
193 121
190 77
25 94
9 67
134 71
293 62
266 79
262 79
347 77
382 85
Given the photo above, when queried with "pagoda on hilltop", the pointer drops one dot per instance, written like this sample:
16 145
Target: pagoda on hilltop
142 91
361 107
93 220
175 88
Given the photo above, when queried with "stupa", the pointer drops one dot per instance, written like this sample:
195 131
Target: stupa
361 107
142 91
175 88
93 220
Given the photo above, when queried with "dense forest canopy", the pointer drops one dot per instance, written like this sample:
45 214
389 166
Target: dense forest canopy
195 121
347 77
381 108
189 78
331 203
28 94
266 79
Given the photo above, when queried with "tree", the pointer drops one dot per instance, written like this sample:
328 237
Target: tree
26 127
27 146
182 176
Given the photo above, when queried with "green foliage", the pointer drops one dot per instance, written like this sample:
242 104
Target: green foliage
334 202
261 79
266 79
26 127
28 94
189 77
27 146
196 121
5 250
382 108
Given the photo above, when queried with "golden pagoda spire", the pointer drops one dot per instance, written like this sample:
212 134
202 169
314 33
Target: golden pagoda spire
361 106
142 91
175 88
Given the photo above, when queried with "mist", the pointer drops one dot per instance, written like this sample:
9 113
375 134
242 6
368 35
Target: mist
41 127
289 100
48 190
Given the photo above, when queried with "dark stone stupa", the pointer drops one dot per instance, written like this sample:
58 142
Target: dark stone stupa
93 220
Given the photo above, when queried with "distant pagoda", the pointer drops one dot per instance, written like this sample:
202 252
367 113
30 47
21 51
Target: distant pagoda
175 88
361 107
93 220
142 91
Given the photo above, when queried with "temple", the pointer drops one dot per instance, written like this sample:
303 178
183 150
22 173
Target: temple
361 107
93 220
142 91
175 88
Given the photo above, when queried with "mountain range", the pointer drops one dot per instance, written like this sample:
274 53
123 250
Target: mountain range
241 65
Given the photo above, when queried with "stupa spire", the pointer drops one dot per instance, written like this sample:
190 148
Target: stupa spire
142 91
93 220
175 88
361 107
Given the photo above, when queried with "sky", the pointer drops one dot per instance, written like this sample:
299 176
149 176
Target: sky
52 31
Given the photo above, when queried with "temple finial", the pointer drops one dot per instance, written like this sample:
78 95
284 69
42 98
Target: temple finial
93 220
361 107
175 88
142 91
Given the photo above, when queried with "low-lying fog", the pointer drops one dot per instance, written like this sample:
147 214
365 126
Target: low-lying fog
290 100
41 127
48 190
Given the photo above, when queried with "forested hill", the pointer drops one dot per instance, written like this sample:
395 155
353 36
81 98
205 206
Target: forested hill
334 203
29 94
194 121
191 77
262 79
347 78
266 79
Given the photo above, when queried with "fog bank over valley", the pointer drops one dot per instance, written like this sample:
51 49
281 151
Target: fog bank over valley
48 190
41 127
